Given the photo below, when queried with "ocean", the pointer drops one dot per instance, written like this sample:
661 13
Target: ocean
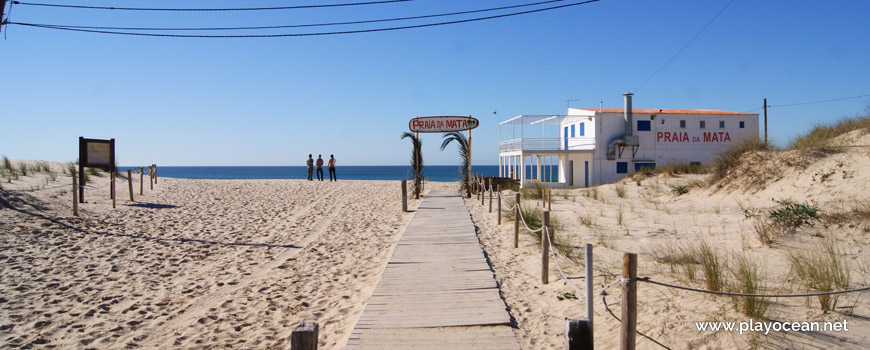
440 173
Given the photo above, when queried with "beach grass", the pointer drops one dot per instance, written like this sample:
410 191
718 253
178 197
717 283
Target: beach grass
821 269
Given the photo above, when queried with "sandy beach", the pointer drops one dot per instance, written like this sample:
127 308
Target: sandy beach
655 220
191 264
239 263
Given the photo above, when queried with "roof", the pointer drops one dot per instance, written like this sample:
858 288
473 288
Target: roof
665 111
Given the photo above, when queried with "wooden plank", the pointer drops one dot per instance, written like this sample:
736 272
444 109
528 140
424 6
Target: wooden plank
438 290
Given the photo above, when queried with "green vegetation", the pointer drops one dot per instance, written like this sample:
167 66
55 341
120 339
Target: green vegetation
794 215
748 280
821 269
680 189
682 168
464 156
533 190
416 162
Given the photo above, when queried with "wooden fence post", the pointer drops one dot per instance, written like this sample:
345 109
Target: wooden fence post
490 195
517 222
498 188
629 302
151 176
405 195
155 173
549 199
113 189
130 183
589 285
141 180
578 334
545 249
304 337
75 191
483 188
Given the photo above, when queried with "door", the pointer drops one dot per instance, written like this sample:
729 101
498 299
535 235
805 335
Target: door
586 173
566 137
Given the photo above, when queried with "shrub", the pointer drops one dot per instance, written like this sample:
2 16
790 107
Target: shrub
533 190
680 189
620 190
794 215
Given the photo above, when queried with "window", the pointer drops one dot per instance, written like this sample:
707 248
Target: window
682 124
582 129
638 167
572 130
703 124
721 124
741 125
643 125
622 167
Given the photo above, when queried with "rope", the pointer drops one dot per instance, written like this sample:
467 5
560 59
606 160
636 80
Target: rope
559 267
648 280
606 307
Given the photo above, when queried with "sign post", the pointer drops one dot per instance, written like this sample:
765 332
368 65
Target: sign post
95 153
447 124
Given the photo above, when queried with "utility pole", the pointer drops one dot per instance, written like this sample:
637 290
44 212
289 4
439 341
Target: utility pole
765 122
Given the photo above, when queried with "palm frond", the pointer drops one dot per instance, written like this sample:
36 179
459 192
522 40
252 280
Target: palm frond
416 161
463 156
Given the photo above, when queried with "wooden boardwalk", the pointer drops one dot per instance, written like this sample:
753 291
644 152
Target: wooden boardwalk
437 291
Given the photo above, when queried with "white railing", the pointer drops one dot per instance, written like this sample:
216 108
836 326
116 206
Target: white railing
544 144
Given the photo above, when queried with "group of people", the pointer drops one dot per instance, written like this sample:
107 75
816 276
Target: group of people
319 164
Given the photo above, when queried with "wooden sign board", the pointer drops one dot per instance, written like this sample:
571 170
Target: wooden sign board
97 153
442 124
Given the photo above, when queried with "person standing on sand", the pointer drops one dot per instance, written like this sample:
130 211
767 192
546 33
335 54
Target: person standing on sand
331 166
319 168
310 163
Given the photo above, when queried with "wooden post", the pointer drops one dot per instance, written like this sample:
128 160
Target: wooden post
517 222
578 334
498 188
545 249
629 302
141 180
75 194
151 176
304 337
765 122
405 195
113 189
490 195
130 183
590 293
155 172
549 199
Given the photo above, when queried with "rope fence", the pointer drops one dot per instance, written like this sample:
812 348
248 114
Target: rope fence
628 279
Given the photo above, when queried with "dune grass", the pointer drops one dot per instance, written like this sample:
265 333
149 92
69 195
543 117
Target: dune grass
821 269
749 279
533 190
730 158
620 190
822 134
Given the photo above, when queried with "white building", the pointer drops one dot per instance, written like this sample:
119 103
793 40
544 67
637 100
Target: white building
589 147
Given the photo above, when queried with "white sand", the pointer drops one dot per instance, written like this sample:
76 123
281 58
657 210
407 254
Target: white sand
193 263
654 218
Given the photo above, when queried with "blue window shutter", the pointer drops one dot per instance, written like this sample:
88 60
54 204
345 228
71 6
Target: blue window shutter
622 167
643 125
572 130
582 129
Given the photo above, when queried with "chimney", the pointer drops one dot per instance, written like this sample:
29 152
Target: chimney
628 115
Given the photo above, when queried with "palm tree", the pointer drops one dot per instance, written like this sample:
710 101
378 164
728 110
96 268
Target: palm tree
463 155
416 161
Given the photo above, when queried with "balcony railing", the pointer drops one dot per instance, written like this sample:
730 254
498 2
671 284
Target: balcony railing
545 144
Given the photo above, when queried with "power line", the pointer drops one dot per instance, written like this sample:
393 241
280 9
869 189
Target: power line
308 34
299 25
685 46
810 103
207 9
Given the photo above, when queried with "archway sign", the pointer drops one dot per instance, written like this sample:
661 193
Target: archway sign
446 124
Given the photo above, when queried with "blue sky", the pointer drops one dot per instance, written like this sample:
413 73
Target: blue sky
272 101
